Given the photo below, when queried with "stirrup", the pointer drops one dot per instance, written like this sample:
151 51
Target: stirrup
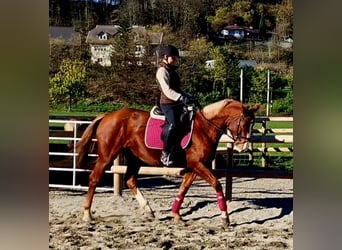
165 159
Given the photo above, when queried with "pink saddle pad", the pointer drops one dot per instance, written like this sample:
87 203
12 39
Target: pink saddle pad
153 134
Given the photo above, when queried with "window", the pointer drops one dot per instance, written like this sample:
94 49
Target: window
237 34
225 32
102 36
139 50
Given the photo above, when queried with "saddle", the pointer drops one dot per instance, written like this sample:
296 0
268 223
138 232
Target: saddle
187 116
157 113
155 124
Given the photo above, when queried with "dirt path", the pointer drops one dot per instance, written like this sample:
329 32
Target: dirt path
261 215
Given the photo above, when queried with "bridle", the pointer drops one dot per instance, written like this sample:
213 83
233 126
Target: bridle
227 131
239 136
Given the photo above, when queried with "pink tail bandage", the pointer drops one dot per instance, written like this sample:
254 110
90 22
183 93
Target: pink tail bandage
221 201
177 204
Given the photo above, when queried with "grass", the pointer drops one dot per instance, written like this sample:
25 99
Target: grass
275 124
73 113
92 110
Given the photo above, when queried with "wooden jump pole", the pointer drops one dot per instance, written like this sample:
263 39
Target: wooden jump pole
121 169
118 178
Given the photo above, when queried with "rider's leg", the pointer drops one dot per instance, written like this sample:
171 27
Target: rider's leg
169 135
170 132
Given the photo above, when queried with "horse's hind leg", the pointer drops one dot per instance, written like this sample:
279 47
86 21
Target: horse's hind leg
186 183
94 179
143 203
133 165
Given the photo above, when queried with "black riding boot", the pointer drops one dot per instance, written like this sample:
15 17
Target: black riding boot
168 136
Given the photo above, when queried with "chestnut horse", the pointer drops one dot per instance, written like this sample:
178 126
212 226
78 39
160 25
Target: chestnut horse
123 131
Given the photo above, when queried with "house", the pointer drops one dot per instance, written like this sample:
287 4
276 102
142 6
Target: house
210 64
100 40
63 35
67 35
102 37
286 42
247 63
236 32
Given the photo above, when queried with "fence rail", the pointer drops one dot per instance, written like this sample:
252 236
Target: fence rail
65 141
62 148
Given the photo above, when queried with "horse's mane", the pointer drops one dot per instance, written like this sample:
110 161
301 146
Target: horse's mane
213 109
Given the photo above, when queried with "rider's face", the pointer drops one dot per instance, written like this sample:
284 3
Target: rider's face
171 60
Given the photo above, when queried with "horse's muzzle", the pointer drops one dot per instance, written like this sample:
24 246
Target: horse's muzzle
241 147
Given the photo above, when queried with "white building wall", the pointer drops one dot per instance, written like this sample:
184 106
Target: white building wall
101 54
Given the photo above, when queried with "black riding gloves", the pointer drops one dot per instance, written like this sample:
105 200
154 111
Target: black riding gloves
186 99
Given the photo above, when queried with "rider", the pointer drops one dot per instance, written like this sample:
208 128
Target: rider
172 99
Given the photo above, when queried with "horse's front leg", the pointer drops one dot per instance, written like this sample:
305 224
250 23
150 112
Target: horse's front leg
210 178
186 183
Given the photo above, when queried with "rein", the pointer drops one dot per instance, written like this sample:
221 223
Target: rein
224 131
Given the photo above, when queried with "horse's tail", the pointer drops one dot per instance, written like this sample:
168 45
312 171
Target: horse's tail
83 146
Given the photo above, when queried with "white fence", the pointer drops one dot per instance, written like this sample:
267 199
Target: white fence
59 136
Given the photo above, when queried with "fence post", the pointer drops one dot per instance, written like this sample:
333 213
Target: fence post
263 145
229 178
118 178
250 154
213 163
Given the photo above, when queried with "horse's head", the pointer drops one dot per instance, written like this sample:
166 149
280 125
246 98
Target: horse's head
232 118
240 126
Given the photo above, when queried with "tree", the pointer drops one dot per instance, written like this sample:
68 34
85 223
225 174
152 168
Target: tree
190 26
284 19
123 44
193 68
262 28
219 72
58 51
68 83
220 19
258 89
225 73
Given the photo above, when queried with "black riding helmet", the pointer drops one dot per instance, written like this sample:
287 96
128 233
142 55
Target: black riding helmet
169 50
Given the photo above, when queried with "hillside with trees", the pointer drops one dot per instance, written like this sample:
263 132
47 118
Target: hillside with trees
193 26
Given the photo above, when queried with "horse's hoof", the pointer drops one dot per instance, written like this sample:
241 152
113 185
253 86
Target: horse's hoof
225 222
150 214
177 219
147 211
87 216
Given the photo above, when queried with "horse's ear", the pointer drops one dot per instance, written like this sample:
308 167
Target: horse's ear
247 109
255 108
